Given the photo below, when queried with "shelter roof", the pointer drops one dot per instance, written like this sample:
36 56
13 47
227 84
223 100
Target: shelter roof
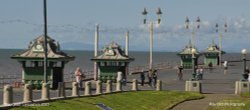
113 52
36 50
213 48
187 50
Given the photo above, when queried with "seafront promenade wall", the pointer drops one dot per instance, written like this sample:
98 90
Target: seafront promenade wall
16 79
92 88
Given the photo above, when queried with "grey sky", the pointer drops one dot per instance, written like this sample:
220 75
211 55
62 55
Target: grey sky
74 20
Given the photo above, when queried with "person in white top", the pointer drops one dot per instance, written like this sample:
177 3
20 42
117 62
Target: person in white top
79 74
225 67
119 76
225 64
201 72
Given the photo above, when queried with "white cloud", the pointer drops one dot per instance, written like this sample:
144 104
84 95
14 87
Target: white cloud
165 37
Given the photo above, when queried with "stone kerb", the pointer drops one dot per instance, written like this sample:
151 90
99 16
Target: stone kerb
242 86
108 86
134 85
75 91
118 86
27 95
87 91
98 87
61 90
194 86
7 95
159 85
45 91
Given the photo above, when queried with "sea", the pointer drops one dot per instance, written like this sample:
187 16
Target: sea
10 66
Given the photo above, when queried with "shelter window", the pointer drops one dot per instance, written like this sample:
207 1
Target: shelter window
57 64
30 64
24 63
186 56
102 63
121 64
112 64
40 64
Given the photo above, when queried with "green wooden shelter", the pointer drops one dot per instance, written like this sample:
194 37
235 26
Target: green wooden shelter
186 56
211 55
112 60
32 61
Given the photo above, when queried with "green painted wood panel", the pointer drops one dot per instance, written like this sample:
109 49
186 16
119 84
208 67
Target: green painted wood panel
110 72
212 59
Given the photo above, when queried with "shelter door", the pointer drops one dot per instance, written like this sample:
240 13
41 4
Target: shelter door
57 76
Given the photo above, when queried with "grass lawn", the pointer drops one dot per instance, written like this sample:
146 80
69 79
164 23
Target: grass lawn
246 94
242 103
142 100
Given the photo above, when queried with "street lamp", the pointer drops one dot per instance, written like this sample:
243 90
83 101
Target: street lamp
193 63
244 53
220 39
151 29
194 27
45 40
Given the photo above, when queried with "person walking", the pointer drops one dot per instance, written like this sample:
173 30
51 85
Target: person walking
79 75
142 76
246 74
225 67
197 73
200 73
180 72
210 66
154 77
150 77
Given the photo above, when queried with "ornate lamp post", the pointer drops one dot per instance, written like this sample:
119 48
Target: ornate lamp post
220 39
45 40
194 27
151 29
193 64
244 53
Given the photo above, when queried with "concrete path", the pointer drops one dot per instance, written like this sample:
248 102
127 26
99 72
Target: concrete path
203 104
